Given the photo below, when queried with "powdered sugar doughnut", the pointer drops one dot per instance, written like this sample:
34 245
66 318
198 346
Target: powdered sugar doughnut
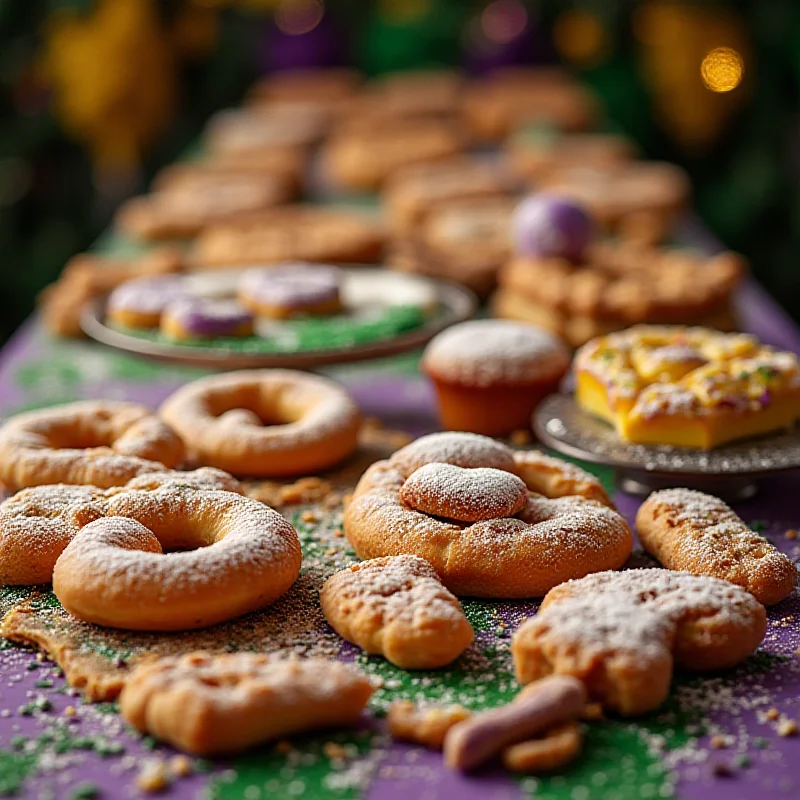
238 700
102 443
289 290
621 633
37 524
549 541
115 572
311 422
205 317
465 495
139 303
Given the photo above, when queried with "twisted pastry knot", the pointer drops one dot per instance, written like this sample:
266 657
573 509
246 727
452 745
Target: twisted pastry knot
491 521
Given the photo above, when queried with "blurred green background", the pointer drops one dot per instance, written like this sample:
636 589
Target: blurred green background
95 95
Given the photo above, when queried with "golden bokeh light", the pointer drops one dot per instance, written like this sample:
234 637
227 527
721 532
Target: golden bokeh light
722 69
580 37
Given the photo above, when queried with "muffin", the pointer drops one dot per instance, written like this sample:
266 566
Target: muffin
490 374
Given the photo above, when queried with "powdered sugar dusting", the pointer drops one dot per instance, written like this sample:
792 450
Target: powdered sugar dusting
461 449
486 352
640 611
397 607
37 524
697 532
394 588
232 533
468 495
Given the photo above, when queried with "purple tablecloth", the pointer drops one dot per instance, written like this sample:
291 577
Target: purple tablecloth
717 738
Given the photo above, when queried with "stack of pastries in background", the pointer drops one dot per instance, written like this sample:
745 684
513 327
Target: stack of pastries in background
428 172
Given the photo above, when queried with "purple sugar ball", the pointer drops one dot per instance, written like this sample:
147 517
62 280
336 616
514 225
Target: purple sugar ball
552 227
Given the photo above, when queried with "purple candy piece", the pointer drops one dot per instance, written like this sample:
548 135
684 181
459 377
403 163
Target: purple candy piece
204 316
147 295
548 226
291 285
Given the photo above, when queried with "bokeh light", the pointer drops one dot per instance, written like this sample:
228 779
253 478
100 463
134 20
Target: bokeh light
503 20
722 69
296 17
580 37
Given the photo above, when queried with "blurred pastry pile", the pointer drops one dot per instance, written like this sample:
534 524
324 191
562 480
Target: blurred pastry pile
428 173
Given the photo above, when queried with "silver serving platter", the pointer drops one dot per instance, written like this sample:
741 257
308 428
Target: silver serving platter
450 303
731 471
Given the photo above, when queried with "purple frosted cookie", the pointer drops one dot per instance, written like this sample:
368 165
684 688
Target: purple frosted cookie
202 317
289 290
139 303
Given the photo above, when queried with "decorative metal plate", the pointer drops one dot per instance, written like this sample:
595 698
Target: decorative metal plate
451 303
729 470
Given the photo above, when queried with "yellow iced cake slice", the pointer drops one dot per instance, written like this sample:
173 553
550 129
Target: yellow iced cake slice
689 387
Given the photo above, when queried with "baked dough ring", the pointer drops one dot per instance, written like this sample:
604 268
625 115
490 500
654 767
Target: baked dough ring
115 573
36 524
550 541
101 443
311 422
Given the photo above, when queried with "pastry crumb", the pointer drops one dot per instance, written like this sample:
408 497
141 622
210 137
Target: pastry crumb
153 777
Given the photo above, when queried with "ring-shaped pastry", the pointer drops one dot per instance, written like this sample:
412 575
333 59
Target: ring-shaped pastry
266 423
36 524
567 534
115 571
98 443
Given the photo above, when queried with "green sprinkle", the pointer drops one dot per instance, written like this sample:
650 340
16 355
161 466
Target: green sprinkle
743 762
45 684
85 791
32 665
104 747
18 742
758 525
760 742
203 765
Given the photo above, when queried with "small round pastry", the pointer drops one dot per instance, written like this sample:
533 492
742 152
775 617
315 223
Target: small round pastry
549 226
242 130
320 234
184 211
466 241
362 160
534 152
101 443
236 555
491 374
205 317
266 423
465 495
141 302
640 201
290 290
